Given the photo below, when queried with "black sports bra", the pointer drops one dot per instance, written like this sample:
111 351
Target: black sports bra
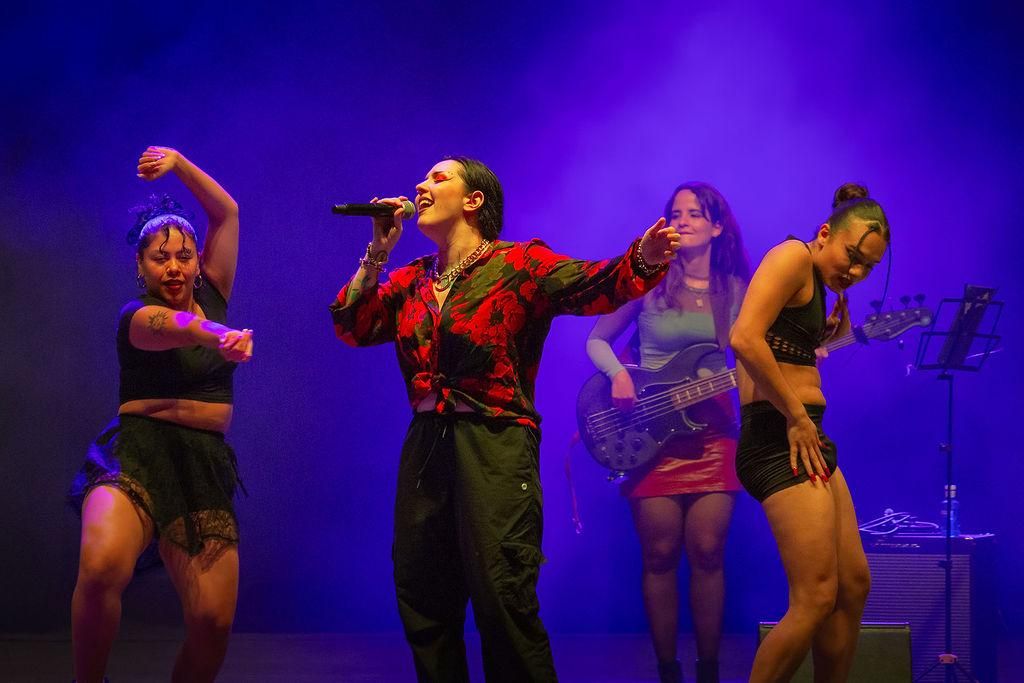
798 330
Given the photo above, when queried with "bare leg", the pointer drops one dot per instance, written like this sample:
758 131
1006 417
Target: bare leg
208 588
803 521
114 534
836 640
707 525
659 524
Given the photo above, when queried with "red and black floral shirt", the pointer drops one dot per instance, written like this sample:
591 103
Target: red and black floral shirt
483 346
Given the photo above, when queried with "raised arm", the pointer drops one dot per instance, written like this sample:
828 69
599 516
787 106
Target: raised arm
158 328
220 249
364 310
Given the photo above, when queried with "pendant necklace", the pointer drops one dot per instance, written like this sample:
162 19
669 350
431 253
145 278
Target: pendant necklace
698 292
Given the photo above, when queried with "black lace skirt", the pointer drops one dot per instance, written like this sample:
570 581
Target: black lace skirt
184 479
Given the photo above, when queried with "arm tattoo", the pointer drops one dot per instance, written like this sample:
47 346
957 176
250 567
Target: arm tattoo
157 322
355 289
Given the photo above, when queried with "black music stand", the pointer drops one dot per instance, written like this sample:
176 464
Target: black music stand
963 349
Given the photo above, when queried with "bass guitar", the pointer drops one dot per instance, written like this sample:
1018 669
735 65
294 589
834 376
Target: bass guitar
668 400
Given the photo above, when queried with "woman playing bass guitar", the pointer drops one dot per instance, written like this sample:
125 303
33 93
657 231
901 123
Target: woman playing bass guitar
684 499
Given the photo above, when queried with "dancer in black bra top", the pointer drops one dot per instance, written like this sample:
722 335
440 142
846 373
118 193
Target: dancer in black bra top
784 458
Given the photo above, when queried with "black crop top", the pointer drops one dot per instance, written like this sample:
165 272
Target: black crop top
798 330
192 372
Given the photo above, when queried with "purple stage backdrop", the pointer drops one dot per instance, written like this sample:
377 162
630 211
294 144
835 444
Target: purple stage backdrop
589 115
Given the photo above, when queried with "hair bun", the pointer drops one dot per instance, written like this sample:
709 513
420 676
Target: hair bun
156 205
848 191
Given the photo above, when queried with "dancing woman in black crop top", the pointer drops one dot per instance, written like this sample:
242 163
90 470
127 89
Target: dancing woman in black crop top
161 471
784 458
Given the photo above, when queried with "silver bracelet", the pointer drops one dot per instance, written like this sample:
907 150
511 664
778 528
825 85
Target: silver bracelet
374 261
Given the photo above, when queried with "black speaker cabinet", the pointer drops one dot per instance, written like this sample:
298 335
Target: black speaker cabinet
883 655
908 585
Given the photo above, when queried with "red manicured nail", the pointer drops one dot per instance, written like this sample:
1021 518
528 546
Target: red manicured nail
824 478
813 477
795 473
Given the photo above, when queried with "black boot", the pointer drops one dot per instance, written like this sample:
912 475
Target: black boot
707 671
670 672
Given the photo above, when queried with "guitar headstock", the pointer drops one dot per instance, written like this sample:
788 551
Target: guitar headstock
888 325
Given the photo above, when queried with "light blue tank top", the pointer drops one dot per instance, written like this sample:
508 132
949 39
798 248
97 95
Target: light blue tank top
663 334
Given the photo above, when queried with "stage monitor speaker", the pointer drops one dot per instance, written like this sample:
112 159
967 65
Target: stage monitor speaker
908 584
883 655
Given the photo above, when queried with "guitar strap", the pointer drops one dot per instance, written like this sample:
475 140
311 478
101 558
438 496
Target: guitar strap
721 303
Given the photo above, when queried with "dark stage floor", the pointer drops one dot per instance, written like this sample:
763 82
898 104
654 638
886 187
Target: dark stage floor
315 658
309 658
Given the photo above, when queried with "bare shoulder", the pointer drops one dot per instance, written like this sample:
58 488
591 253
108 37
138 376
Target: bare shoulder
792 253
789 261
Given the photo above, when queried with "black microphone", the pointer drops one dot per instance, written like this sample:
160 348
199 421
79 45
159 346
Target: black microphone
375 210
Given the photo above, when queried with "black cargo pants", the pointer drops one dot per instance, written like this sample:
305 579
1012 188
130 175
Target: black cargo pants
468 526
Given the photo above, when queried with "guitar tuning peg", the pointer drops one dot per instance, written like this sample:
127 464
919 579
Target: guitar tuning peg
905 300
919 298
877 305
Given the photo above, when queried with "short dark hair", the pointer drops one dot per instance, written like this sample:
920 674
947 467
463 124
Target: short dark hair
477 176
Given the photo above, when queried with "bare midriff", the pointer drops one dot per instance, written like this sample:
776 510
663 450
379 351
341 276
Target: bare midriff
429 403
215 417
805 380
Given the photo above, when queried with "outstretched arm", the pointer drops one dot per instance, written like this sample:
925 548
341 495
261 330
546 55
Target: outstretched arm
581 287
158 328
220 249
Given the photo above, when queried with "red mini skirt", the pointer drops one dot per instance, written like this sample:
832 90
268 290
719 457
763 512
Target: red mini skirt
702 463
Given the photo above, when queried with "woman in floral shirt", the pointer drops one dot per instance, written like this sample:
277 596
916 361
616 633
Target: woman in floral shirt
468 511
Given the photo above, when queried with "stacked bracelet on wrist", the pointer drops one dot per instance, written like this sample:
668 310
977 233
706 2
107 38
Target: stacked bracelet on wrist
641 265
374 261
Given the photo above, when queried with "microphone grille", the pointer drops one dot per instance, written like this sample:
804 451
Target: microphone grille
408 209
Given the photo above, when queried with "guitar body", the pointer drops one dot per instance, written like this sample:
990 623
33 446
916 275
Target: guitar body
673 402
664 410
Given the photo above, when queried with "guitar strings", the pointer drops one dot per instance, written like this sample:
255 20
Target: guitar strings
607 422
659 404
845 340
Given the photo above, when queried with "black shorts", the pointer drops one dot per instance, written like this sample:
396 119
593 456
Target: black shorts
762 455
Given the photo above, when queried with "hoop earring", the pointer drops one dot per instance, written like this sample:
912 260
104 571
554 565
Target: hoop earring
198 282
141 280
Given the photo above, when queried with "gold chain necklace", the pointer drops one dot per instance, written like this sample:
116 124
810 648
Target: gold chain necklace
447 279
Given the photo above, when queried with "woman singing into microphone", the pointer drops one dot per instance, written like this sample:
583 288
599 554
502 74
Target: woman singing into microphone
468 323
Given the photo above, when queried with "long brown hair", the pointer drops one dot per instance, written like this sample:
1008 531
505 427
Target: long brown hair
728 257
